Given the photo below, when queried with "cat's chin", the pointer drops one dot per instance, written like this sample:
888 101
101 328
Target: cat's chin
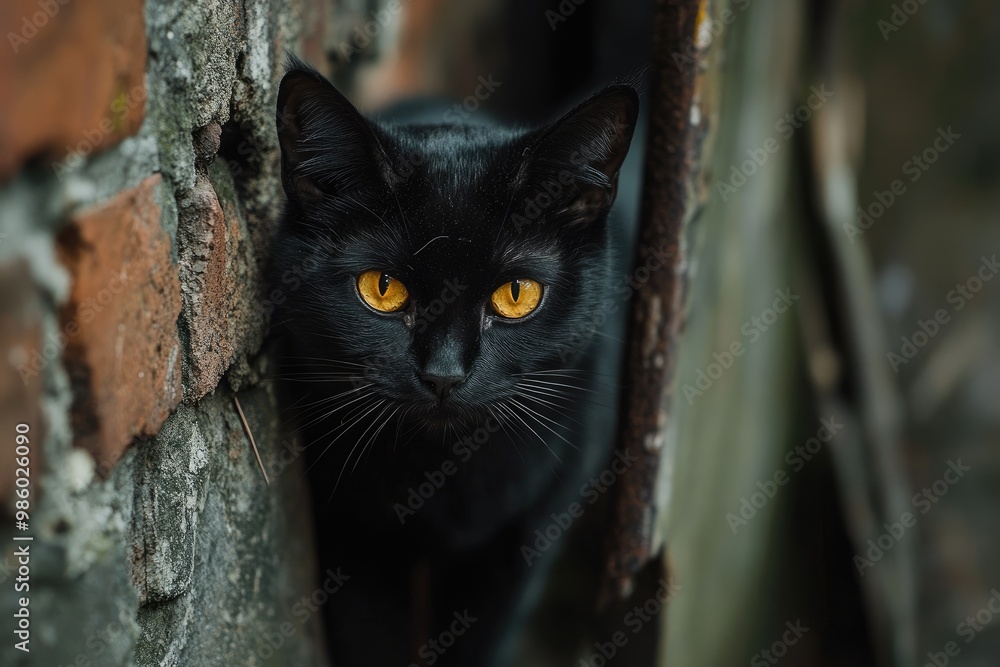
437 423
441 417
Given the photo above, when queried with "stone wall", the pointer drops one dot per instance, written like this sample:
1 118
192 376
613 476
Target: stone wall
138 191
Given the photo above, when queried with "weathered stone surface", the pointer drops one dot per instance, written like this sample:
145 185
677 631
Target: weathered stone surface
83 606
71 78
224 557
206 143
178 554
122 351
20 382
171 490
218 274
196 49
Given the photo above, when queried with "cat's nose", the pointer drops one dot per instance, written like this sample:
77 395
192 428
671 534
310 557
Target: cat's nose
442 385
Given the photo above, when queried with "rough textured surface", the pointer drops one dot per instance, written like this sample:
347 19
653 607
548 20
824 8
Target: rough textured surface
657 312
218 600
132 309
122 352
20 383
71 77
218 281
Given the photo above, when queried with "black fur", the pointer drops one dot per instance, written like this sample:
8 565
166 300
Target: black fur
452 211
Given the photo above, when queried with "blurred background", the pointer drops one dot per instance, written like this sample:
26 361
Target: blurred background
844 152
935 73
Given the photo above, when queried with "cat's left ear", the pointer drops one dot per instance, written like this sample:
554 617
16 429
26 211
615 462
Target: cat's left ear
587 146
327 146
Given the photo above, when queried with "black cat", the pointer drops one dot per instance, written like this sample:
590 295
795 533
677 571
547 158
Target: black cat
438 357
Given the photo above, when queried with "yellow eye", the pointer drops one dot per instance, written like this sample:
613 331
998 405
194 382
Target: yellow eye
382 292
517 298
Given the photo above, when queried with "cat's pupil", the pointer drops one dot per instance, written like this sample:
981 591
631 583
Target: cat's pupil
383 284
515 290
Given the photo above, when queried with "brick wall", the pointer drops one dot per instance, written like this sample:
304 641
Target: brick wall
138 191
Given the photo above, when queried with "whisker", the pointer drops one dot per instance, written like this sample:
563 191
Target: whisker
528 426
560 384
381 425
338 362
538 416
551 393
330 413
347 460
328 399
542 401
343 429
560 371
505 410
510 435
399 427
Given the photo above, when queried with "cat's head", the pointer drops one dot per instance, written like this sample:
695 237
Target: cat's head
437 265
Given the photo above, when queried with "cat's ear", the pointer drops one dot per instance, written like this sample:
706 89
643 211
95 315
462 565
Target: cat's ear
586 148
327 146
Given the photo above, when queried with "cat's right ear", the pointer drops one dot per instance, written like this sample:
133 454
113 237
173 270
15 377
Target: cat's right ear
587 147
327 146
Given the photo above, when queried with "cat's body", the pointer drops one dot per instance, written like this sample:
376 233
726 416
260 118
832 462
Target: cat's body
442 434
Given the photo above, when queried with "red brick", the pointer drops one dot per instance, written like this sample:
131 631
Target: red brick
219 280
77 83
20 375
123 353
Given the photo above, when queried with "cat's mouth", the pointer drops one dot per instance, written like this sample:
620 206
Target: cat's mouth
441 415
438 421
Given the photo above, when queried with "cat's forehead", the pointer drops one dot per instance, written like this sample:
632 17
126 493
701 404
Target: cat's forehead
471 244
458 161
468 246
473 247
456 188
452 201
